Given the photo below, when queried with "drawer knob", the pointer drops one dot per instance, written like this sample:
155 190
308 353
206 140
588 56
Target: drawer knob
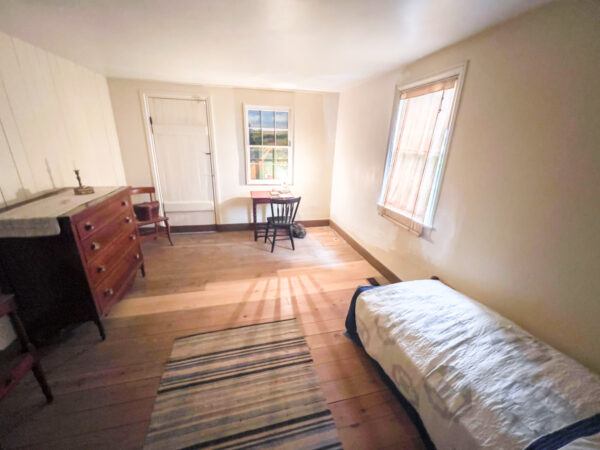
137 256
88 226
128 220
108 292
124 203
101 268
95 246
133 237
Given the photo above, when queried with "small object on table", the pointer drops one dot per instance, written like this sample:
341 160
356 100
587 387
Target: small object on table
285 189
81 189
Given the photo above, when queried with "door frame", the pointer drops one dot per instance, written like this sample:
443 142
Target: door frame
145 96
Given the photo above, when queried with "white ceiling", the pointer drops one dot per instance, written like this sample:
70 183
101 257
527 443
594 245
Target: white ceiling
289 44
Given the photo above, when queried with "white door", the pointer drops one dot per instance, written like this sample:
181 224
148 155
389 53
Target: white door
182 163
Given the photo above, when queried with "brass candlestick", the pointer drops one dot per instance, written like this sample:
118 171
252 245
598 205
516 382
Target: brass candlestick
81 189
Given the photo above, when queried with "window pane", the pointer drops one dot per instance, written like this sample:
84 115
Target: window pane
268 119
281 155
262 170
255 137
268 137
282 138
255 154
261 154
281 120
253 118
281 171
261 163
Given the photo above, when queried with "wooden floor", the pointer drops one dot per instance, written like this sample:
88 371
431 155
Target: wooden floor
104 391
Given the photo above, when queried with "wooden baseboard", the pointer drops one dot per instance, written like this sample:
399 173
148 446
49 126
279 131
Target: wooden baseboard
192 228
234 226
391 277
237 226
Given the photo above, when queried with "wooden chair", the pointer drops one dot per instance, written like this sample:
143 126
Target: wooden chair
148 213
28 359
283 214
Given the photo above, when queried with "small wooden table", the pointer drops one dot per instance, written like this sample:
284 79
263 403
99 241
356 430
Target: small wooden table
260 197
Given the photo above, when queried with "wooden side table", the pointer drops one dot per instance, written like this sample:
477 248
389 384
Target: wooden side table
259 197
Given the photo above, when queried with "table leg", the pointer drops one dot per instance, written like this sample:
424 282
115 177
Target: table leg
254 218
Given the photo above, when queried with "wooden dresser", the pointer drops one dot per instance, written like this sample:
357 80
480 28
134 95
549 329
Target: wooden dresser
79 274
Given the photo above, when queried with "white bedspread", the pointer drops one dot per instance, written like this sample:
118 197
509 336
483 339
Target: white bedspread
476 379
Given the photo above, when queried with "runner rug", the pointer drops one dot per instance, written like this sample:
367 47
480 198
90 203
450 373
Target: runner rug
245 387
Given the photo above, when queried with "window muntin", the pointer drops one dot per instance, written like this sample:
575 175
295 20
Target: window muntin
268 145
419 137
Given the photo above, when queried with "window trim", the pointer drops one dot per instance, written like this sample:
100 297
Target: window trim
397 217
246 108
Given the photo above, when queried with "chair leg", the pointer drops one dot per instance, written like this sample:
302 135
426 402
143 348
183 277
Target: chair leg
41 379
143 269
291 237
28 347
267 232
169 232
274 239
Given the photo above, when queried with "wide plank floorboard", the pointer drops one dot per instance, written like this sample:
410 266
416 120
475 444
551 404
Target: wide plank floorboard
104 391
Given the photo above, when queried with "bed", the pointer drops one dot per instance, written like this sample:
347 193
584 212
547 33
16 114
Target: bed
475 379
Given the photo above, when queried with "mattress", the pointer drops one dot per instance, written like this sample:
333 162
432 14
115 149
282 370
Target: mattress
476 379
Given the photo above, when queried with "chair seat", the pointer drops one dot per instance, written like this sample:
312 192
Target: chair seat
146 211
279 221
141 223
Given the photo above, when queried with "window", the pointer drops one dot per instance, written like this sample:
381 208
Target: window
419 137
268 145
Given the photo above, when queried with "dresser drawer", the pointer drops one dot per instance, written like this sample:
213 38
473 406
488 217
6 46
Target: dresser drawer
109 290
98 243
100 267
88 226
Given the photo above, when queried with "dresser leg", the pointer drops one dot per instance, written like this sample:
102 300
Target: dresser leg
101 329
41 378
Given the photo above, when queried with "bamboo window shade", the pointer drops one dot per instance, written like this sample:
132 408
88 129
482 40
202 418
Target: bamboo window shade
424 114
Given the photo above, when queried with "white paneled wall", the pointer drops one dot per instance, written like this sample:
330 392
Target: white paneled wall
55 116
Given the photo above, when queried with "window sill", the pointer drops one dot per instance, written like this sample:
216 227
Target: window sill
402 221
266 183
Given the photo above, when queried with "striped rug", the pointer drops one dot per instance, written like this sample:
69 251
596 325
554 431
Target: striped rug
246 387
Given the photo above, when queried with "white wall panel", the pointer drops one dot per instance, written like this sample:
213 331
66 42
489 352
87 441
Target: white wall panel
54 115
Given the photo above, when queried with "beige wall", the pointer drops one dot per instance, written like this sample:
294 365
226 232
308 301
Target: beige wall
314 134
54 115
518 215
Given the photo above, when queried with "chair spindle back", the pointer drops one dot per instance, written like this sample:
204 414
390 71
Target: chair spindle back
283 210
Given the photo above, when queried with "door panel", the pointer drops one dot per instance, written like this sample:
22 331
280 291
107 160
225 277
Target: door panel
182 148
